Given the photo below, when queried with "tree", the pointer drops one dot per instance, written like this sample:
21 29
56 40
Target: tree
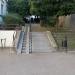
48 9
19 6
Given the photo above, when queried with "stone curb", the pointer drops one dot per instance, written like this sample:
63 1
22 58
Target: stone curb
51 39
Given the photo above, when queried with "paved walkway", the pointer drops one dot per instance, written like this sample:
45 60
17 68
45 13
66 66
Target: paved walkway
37 63
52 63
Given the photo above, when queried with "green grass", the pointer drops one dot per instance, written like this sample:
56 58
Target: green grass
59 36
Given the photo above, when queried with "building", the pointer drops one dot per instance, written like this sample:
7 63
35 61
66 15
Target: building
3 9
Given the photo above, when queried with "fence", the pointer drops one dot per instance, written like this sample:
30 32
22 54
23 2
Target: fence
10 27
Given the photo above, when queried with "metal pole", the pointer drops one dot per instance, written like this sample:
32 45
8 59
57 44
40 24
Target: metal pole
30 36
30 24
65 42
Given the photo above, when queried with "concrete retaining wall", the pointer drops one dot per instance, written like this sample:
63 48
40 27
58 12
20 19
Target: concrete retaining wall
6 38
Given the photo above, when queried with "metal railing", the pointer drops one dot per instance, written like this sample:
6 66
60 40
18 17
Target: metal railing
10 27
30 42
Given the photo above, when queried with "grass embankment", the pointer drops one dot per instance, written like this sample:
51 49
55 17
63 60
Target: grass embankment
59 36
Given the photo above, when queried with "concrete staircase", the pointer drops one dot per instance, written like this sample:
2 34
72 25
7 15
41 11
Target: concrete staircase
22 41
40 42
34 42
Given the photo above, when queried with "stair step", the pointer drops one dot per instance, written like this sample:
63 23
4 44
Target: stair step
40 42
23 49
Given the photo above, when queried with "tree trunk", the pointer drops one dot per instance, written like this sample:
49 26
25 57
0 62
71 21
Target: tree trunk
61 21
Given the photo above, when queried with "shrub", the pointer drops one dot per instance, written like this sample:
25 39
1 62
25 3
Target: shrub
13 19
51 21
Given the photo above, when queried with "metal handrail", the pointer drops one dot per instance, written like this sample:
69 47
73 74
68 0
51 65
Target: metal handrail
30 42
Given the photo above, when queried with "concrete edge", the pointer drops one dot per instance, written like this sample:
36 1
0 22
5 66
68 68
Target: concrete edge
51 39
